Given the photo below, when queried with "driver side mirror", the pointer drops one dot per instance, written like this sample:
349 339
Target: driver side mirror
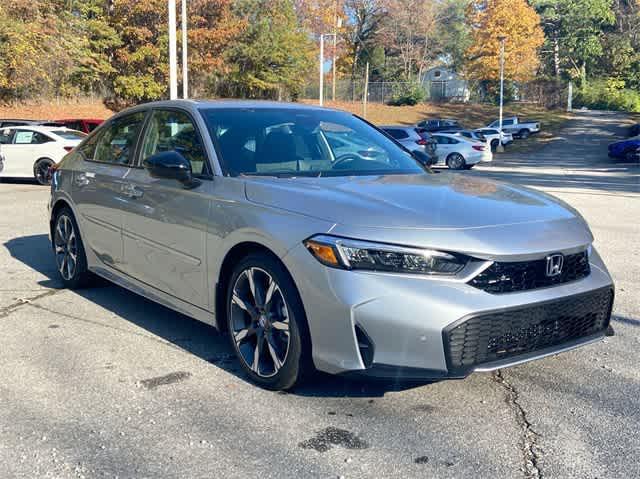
171 165
422 158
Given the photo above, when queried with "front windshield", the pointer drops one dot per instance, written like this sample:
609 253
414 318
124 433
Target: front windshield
303 142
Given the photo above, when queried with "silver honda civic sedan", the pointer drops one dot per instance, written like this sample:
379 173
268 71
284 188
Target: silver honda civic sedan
316 242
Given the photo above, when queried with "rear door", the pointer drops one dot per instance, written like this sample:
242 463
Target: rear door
20 153
165 224
99 185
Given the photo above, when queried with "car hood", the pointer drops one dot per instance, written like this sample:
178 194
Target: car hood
426 201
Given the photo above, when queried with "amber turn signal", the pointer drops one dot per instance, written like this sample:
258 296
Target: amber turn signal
324 253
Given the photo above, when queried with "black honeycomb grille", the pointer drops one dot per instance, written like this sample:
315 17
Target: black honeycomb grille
505 334
526 275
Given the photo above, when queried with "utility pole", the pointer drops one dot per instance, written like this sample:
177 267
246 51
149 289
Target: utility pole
335 47
185 64
173 55
502 39
365 95
570 97
321 94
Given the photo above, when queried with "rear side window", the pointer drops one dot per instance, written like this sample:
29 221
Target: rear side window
117 142
6 137
397 134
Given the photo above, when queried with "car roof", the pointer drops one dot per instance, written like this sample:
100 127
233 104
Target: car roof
193 104
88 120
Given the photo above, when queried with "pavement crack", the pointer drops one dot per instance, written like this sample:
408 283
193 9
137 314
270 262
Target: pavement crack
529 437
7 310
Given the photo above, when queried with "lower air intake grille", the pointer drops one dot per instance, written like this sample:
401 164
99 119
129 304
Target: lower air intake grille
513 332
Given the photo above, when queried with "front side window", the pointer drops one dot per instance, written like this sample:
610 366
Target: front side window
30 137
303 142
117 142
173 130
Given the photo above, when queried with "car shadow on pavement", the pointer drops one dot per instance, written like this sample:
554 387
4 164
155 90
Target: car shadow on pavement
176 329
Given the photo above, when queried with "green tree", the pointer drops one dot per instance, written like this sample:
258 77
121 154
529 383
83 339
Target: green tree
574 30
272 56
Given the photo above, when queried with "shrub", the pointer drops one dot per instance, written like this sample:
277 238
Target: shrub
608 94
410 93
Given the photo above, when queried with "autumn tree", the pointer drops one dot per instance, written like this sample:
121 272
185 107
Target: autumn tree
513 19
212 29
366 18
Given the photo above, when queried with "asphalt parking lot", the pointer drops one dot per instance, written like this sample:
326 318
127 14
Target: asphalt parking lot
103 383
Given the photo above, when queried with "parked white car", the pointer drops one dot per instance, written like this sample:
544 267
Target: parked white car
31 151
460 153
493 136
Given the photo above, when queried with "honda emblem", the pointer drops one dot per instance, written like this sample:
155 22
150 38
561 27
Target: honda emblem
554 265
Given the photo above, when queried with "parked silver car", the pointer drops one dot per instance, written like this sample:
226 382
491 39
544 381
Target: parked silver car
241 215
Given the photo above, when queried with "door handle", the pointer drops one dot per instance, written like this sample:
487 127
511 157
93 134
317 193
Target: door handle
81 179
132 191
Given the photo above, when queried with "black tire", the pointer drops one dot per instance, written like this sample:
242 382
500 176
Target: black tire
630 155
76 276
42 171
524 134
468 167
494 145
275 323
456 161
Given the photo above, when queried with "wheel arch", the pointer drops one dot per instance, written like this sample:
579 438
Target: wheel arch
235 254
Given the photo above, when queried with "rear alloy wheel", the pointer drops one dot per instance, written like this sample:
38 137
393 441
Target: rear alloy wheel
266 323
42 171
524 134
630 156
494 145
69 251
456 161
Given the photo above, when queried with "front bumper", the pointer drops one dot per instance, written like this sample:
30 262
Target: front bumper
407 319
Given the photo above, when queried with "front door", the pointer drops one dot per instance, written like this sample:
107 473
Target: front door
99 186
165 225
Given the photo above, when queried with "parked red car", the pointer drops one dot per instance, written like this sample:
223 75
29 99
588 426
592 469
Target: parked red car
84 125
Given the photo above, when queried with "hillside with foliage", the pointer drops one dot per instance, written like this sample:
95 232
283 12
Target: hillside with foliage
118 49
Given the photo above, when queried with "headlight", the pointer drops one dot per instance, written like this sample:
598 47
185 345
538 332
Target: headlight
355 254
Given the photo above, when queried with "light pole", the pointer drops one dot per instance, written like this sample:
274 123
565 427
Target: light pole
185 64
322 65
173 54
502 39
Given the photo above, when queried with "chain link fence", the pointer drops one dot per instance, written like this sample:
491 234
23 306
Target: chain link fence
547 93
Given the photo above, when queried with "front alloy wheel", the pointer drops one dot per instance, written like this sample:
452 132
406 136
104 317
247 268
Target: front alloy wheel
260 322
266 323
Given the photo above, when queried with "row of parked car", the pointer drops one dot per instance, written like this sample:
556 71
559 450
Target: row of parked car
29 148
448 143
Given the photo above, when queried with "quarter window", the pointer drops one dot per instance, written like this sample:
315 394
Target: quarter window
172 130
117 143
6 137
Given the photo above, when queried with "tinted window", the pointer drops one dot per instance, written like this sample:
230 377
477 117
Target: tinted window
6 136
69 135
507 122
297 142
397 134
117 141
173 130
29 137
